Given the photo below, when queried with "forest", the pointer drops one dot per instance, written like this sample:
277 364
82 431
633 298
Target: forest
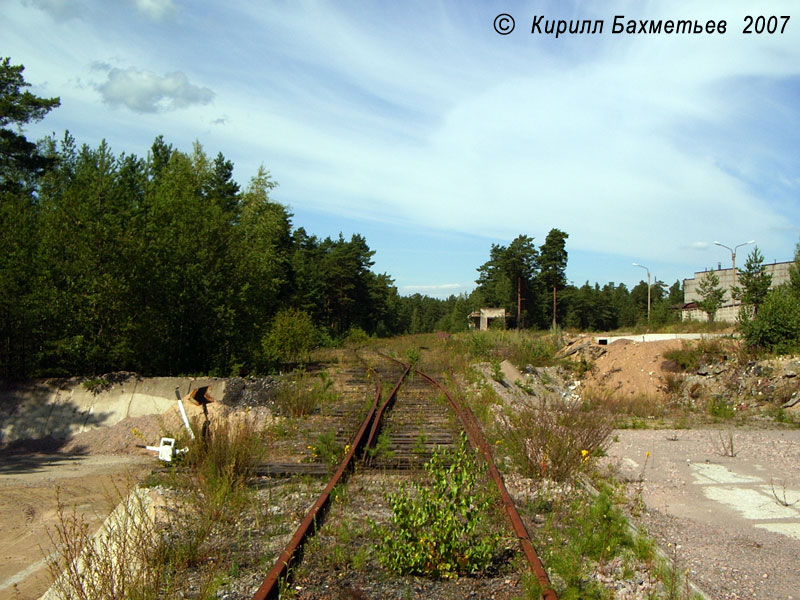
165 265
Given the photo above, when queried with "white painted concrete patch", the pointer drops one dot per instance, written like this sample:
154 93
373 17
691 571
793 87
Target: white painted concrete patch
752 504
705 473
751 497
630 462
790 529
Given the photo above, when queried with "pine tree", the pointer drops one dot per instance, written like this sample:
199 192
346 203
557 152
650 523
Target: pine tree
712 295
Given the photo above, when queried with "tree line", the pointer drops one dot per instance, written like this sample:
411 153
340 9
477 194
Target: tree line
160 264
164 264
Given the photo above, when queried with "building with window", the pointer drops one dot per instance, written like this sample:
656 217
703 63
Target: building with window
730 308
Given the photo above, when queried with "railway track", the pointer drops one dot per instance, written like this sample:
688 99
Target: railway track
411 415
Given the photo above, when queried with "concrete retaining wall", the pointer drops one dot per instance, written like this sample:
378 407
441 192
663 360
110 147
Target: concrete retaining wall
63 408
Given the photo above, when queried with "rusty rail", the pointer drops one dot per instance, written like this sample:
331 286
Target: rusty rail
379 415
270 588
479 441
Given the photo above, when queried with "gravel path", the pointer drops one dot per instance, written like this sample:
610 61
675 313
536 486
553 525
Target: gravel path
723 517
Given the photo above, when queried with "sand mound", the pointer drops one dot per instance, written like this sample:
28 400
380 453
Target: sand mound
631 368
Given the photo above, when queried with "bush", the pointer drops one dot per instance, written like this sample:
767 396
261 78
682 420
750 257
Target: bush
776 328
437 529
556 442
691 356
291 338
304 396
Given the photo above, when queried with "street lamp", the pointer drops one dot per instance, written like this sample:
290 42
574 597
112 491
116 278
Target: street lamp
648 289
733 255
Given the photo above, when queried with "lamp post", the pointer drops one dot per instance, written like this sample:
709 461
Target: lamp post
648 289
733 256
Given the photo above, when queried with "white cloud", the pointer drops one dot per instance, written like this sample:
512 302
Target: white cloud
146 92
156 9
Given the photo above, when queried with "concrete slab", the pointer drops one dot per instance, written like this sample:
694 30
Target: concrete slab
716 506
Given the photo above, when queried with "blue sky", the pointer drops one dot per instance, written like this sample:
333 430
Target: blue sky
417 125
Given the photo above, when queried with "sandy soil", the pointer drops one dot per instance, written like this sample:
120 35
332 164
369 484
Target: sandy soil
631 368
31 486
90 473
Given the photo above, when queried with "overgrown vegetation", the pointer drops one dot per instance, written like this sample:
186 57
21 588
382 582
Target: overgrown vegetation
554 440
691 355
146 555
439 527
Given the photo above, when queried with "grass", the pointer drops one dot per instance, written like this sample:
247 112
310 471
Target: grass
691 355
304 394
144 554
557 441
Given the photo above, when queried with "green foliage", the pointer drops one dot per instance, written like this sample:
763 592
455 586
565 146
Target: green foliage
553 263
690 356
497 371
556 442
291 337
480 345
413 356
327 449
355 336
720 407
711 293
755 281
20 160
507 279
584 532
438 529
382 449
301 396
776 328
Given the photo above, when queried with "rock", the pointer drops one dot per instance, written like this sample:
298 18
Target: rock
791 401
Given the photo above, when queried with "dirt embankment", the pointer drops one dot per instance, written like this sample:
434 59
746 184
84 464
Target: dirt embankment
631 368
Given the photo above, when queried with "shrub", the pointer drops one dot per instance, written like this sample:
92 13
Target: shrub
690 356
438 529
777 326
291 337
556 442
303 397
355 337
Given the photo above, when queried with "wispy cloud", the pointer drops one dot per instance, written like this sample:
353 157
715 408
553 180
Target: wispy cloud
156 9
417 116
147 92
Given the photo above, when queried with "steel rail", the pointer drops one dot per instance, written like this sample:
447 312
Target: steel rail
270 587
379 415
479 441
